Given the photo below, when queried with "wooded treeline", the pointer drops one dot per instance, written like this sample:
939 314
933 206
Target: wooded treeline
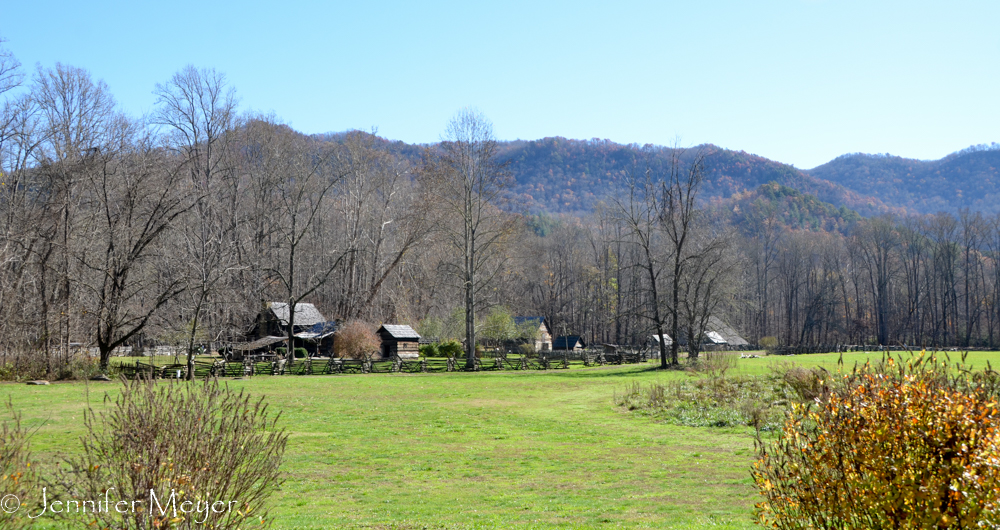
176 227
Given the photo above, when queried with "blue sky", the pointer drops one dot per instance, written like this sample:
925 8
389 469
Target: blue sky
799 81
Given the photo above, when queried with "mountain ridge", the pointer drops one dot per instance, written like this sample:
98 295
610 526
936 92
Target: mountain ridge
562 175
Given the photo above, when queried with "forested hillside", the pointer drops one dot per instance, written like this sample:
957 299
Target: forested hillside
789 207
967 179
559 175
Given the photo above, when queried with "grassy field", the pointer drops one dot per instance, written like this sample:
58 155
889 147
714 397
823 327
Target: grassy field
480 450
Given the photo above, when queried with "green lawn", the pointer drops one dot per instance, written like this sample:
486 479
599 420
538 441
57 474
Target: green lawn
480 450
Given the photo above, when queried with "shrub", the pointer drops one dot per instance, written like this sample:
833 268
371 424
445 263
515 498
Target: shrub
429 350
527 349
769 343
356 339
451 348
80 367
807 383
200 443
23 366
300 353
891 445
18 479
753 401
717 363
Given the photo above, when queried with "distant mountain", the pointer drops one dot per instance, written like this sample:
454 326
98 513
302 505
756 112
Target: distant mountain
559 175
967 179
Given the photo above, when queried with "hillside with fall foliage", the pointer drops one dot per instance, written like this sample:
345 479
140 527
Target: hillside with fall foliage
967 179
560 175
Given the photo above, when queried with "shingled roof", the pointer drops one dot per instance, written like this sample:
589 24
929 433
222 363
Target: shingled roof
399 331
305 314
726 331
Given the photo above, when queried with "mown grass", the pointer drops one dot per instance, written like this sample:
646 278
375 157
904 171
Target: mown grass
480 450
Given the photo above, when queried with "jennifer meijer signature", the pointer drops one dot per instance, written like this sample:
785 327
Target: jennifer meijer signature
11 503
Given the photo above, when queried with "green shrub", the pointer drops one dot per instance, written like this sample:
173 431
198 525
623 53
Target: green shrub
895 444
300 353
769 343
429 350
451 348
80 368
202 443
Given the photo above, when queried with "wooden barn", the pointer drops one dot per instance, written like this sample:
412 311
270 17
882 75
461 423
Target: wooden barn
311 330
399 340
273 320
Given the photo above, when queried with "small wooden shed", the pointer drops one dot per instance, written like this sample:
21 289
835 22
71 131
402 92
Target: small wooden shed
400 340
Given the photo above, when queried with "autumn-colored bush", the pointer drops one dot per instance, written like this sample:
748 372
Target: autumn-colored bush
18 478
356 339
896 444
184 455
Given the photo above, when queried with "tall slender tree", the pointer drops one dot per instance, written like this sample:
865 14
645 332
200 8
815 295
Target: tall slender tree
471 181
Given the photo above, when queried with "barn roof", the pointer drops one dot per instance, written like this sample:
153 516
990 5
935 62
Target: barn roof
305 314
399 331
567 342
715 337
656 340
726 331
258 344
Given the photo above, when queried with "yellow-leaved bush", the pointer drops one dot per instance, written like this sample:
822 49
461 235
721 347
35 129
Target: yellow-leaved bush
897 444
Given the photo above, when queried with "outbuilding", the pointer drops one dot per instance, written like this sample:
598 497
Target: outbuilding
399 340
539 327
568 342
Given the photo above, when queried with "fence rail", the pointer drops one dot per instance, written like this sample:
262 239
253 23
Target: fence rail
329 366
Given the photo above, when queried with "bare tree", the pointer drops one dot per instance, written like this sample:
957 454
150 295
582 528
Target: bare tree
10 69
706 282
79 113
678 214
471 184
135 201
383 216
636 207
303 175
78 119
876 241
198 109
